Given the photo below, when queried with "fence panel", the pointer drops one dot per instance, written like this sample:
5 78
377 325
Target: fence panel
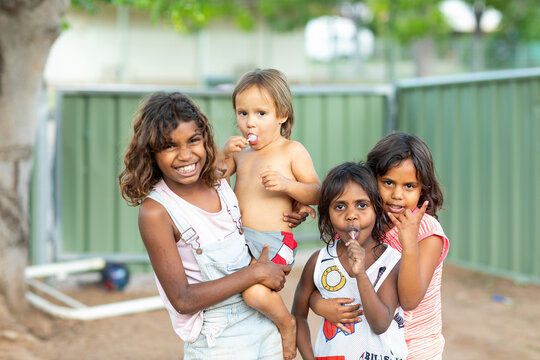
483 131
334 124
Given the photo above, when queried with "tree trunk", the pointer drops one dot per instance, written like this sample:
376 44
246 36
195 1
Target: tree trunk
424 56
28 29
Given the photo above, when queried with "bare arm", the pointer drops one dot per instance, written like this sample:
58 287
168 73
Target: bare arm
305 187
300 308
418 264
158 234
309 193
379 307
418 259
226 160
338 311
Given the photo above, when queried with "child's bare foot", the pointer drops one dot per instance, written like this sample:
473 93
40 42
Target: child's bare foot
288 339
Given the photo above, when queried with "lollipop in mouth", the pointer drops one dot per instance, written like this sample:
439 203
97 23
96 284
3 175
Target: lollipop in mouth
252 139
353 234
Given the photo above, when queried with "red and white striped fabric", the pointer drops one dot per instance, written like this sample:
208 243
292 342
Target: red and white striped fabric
285 255
423 325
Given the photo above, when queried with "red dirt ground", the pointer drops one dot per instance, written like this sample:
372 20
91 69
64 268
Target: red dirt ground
475 326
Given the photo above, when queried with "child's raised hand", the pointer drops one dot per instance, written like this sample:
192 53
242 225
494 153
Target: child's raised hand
233 144
273 180
408 225
357 256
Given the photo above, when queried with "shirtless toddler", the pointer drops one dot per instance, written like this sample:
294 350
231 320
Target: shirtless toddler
271 173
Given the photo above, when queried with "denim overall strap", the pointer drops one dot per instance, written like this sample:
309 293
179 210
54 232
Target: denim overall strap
215 259
232 209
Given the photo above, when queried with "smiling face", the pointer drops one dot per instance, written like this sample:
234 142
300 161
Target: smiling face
257 118
183 160
400 188
352 211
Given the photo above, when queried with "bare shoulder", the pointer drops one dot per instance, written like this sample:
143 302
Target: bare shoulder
152 211
150 207
294 150
293 145
312 261
155 224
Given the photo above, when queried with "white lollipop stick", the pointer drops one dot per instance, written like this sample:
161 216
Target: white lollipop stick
252 138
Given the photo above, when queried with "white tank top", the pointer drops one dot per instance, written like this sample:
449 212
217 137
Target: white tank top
333 281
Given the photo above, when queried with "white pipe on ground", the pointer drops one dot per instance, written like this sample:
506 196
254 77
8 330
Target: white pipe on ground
97 311
64 268
58 295
80 311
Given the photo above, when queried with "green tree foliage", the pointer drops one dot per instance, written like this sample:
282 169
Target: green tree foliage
403 20
192 15
520 18
407 20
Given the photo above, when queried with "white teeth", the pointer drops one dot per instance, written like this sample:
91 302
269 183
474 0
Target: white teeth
186 169
252 138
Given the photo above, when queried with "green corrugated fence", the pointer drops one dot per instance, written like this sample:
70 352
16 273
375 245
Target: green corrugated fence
484 133
334 124
483 130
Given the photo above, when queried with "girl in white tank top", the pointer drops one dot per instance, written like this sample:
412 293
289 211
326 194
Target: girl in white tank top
354 264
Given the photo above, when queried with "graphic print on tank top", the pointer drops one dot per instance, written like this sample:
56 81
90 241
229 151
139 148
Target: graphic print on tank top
333 280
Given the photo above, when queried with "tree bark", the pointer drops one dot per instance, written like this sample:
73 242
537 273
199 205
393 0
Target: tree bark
28 29
424 56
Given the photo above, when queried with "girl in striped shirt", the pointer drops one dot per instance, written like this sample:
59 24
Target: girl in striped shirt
411 197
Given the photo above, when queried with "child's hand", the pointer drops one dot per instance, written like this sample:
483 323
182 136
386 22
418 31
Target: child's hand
357 256
234 144
338 311
273 180
272 275
408 225
298 215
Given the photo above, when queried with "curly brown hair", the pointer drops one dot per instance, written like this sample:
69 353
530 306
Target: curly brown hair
159 114
275 82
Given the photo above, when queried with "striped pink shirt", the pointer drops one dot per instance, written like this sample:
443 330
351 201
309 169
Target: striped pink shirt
423 325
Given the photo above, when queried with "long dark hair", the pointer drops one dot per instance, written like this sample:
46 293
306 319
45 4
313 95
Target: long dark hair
157 117
392 149
334 185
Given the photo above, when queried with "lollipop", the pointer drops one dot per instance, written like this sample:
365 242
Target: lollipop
252 138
